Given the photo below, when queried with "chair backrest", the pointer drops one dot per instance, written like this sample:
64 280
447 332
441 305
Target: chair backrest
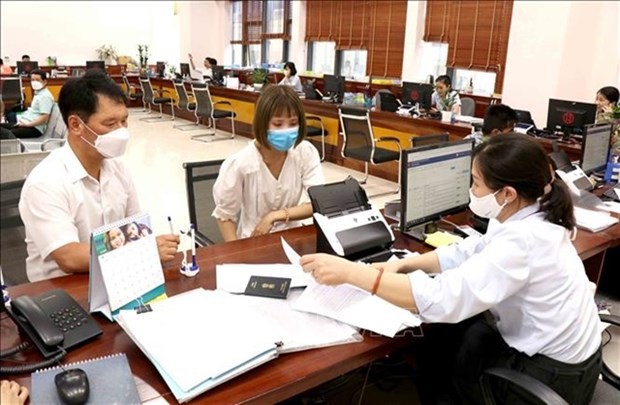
199 179
78 72
16 166
10 146
204 103
468 106
12 234
357 131
183 99
147 90
429 139
12 89
56 128
127 85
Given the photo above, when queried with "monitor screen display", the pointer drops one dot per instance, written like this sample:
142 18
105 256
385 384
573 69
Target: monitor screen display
595 148
26 67
333 85
569 116
417 93
435 181
184 69
95 64
160 68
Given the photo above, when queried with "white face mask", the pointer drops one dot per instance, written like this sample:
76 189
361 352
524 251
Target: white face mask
36 86
487 206
112 144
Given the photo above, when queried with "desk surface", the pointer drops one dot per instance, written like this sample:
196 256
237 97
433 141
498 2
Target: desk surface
282 378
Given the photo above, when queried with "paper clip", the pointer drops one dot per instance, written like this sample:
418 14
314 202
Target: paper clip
142 307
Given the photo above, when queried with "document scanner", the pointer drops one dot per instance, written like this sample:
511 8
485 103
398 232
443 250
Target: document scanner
347 225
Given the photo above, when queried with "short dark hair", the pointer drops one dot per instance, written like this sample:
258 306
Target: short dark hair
80 95
610 93
25 56
445 79
212 61
275 100
291 67
500 117
518 161
39 72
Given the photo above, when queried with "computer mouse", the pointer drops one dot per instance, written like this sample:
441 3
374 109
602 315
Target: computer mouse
72 386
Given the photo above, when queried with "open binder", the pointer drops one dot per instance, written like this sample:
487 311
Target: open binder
346 223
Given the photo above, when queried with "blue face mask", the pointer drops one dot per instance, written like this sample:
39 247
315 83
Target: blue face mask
282 139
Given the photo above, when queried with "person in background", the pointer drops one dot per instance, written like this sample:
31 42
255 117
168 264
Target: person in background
606 99
207 71
33 122
81 186
498 119
11 393
25 58
519 294
291 78
263 187
5 69
444 98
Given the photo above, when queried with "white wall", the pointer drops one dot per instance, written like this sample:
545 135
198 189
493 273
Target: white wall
205 29
565 50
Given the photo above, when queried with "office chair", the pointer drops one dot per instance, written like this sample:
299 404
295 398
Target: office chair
424 140
184 103
54 135
607 390
468 106
149 98
206 109
133 93
11 146
12 90
199 179
360 143
312 131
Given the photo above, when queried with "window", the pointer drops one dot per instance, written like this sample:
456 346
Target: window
237 55
434 58
322 57
237 22
275 51
483 82
274 17
254 55
354 64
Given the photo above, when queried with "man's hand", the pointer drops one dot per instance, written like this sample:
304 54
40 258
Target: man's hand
265 225
167 246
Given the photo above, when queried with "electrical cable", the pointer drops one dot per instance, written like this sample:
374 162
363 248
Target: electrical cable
29 368
11 351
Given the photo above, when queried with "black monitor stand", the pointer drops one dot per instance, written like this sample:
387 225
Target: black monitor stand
418 231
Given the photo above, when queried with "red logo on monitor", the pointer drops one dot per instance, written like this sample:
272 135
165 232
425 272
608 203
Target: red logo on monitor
568 118
415 96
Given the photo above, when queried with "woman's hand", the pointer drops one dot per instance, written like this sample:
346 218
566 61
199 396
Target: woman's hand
265 224
327 269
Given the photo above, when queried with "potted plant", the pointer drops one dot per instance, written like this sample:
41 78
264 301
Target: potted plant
143 55
259 77
107 53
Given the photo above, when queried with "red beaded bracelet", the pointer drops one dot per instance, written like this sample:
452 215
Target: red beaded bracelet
375 286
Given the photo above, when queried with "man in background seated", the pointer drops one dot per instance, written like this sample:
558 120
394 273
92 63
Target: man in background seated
80 186
498 119
33 122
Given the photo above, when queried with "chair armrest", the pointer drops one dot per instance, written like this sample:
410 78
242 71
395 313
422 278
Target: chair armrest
314 117
60 141
613 319
389 139
222 102
529 384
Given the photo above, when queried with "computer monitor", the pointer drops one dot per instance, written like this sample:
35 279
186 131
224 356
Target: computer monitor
160 69
184 69
435 181
333 87
217 74
569 117
95 64
26 67
417 93
524 117
595 147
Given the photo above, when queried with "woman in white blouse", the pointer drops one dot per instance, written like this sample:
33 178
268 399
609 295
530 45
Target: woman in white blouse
525 271
290 77
263 187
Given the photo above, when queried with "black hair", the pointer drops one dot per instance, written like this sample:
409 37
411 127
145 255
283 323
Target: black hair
39 72
520 162
25 56
1 61
610 93
445 79
80 95
291 67
498 116
212 61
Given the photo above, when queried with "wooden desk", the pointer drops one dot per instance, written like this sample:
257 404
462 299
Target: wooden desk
277 380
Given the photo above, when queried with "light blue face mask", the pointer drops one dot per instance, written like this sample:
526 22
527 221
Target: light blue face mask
282 139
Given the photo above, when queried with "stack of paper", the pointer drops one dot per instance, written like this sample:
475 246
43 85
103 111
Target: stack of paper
593 221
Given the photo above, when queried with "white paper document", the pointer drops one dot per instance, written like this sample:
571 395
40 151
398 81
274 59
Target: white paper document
593 221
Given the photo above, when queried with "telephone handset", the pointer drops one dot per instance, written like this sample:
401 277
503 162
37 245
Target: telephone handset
53 319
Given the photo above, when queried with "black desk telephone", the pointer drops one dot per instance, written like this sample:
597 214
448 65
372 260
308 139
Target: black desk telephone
53 319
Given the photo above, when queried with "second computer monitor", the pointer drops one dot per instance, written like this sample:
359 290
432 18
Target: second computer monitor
595 148
95 64
435 181
160 69
569 117
333 86
26 67
417 93
184 69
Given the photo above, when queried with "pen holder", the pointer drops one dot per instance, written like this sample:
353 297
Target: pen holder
189 269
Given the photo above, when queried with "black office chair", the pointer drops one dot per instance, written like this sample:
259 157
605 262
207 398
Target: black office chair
312 131
424 140
468 106
607 389
199 179
184 102
132 93
206 109
360 143
149 98
13 91
12 234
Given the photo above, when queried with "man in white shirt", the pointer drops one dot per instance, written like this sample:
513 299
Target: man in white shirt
80 187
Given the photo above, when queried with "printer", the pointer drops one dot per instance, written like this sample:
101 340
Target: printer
347 225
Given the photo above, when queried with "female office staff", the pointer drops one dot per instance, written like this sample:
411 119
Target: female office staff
263 187
444 98
291 78
606 99
525 270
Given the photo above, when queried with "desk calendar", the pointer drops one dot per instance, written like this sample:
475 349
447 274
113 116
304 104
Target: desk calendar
125 271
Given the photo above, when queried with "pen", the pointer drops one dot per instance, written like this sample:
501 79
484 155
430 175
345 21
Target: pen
193 229
170 225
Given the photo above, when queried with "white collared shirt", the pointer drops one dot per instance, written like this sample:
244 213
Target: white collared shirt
528 273
246 189
61 204
292 81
